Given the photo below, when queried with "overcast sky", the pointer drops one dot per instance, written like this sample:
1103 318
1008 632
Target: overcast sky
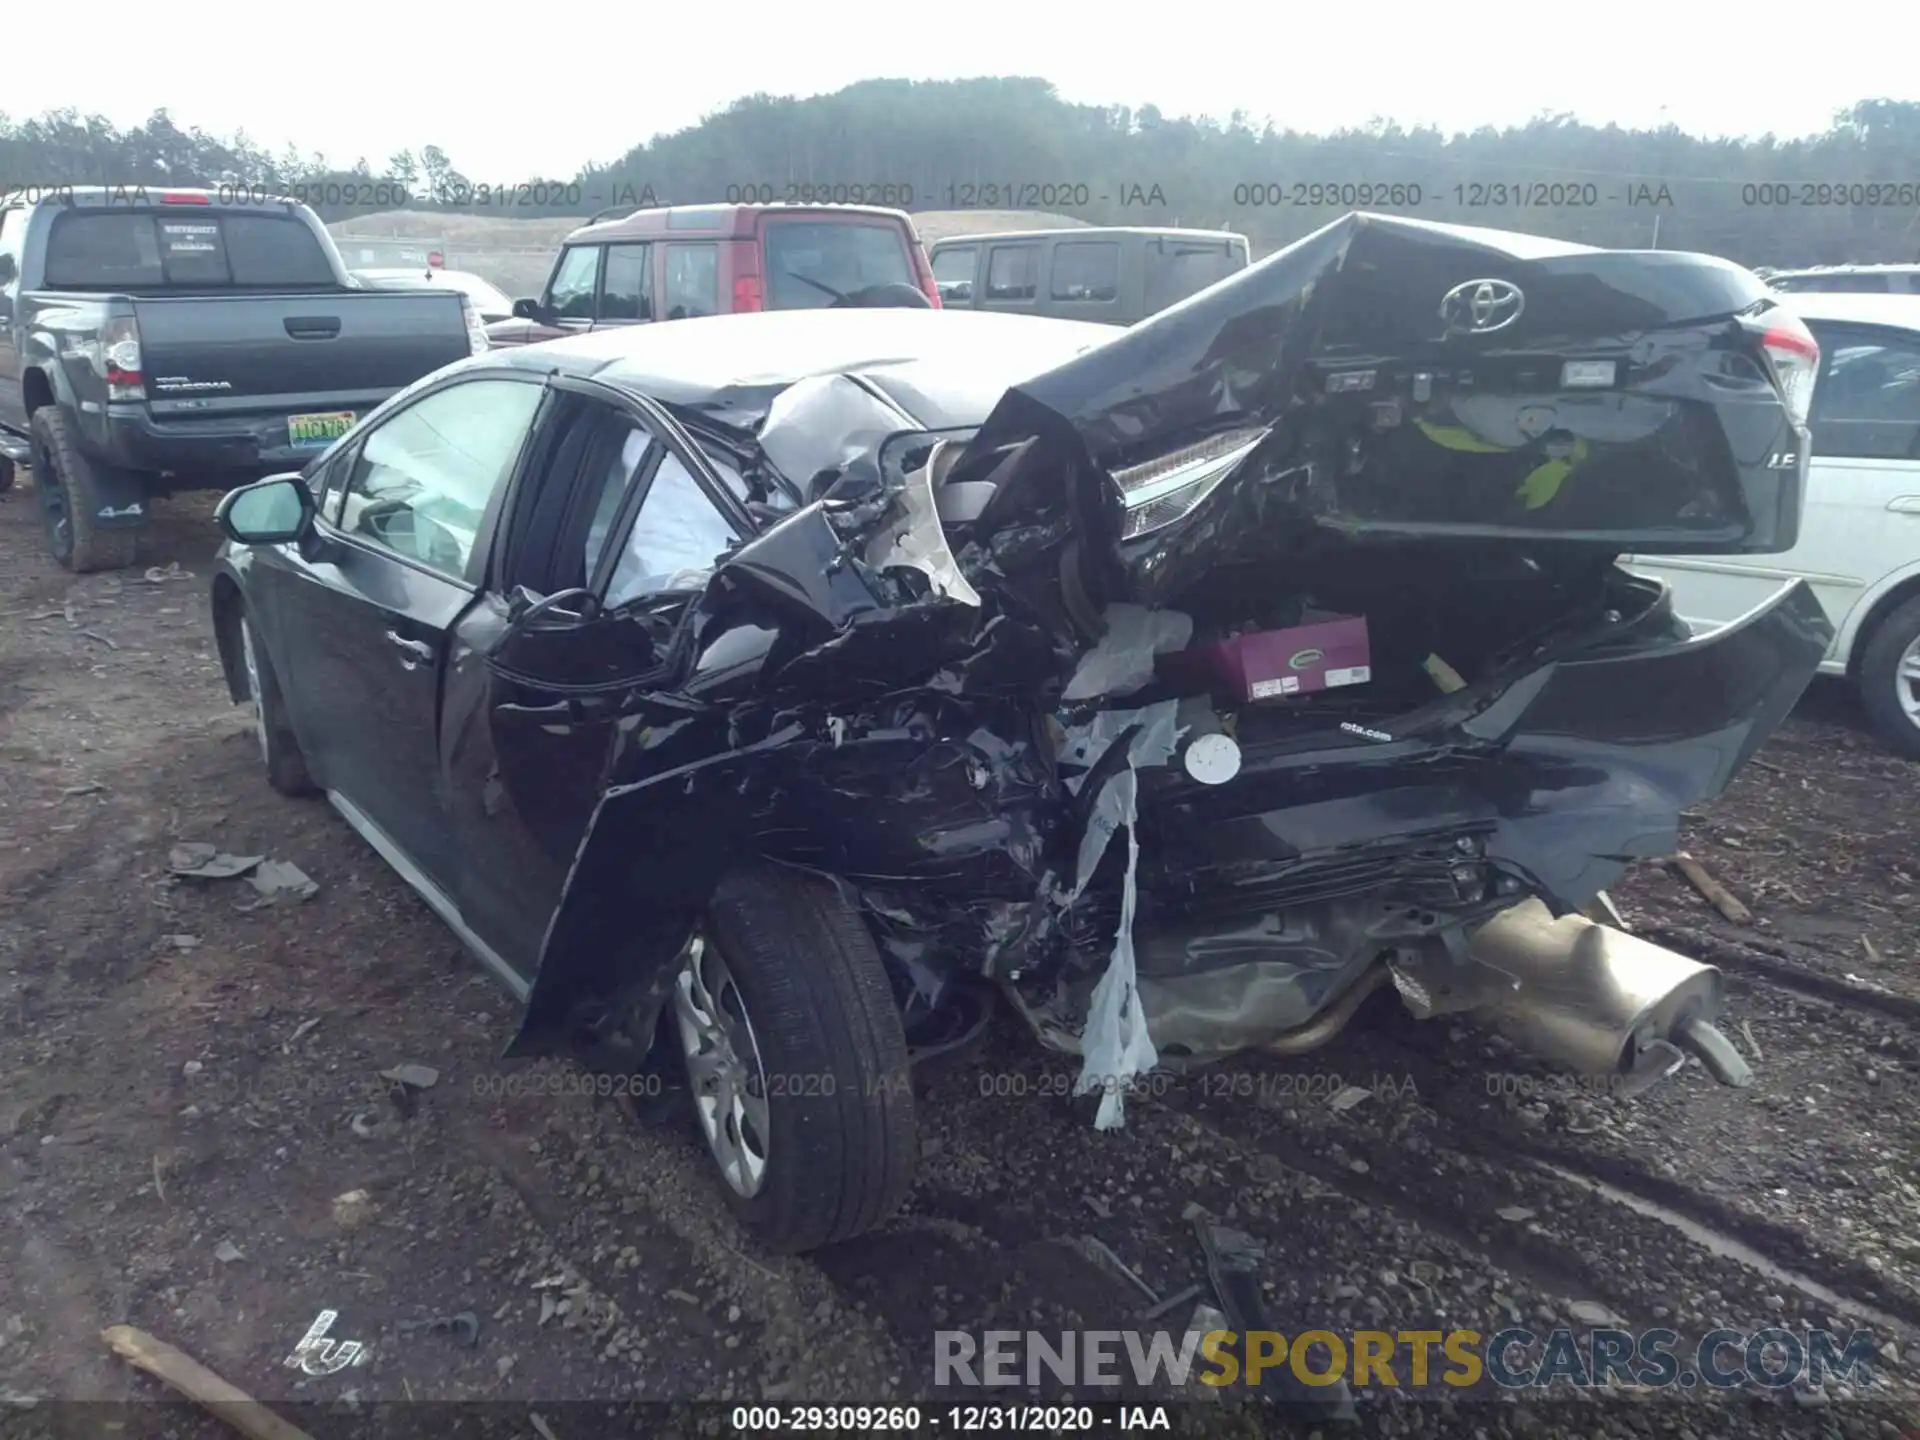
514 90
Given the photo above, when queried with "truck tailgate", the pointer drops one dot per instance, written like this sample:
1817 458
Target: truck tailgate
214 354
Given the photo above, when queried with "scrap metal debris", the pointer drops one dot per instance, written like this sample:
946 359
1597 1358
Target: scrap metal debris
182 1372
228 1253
1233 1266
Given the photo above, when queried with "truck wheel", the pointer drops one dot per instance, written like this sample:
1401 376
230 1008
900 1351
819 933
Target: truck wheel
1889 679
69 500
286 766
796 1060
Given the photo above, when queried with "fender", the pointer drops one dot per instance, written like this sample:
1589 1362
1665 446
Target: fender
1853 626
123 496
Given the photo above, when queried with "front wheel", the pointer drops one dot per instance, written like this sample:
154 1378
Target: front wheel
796 1060
6 474
1889 679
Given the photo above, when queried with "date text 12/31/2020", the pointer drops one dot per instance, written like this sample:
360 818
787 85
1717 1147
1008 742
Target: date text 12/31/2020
954 195
1346 195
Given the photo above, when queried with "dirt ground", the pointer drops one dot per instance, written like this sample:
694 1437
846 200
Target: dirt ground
188 1081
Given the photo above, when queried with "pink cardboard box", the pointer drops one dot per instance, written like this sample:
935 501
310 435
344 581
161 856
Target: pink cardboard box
1264 664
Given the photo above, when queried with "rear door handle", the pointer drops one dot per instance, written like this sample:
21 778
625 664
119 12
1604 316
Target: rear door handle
416 649
312 327
1905 505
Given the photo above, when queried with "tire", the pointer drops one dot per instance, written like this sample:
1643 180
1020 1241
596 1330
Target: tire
784 953
70 498
279 751
1889 679
6 474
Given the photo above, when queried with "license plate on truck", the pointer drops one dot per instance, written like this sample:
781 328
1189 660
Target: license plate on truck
316 432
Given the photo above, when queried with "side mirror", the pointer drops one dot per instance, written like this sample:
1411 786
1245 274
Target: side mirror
530 310
273 511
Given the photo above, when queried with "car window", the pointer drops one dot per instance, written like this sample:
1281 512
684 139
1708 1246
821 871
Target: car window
423 477
803 256
627 291
95 249
13 232
678 536
570 296
1867 402
954 265
1175 271
1086 270
693 281
1013 272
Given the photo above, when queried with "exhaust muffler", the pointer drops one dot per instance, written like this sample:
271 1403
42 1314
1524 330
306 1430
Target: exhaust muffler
1598 1001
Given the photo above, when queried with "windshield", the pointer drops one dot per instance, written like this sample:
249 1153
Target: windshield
132 249
842 257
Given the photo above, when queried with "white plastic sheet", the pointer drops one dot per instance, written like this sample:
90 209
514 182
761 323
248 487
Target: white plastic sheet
1123 660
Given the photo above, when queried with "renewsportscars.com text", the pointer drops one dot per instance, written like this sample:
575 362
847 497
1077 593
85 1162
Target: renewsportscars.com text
1516 1358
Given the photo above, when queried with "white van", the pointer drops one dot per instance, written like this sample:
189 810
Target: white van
1859 544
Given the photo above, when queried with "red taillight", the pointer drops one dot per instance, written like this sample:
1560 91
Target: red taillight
747 295
182 197
1795 357
117 359
435 260
923 275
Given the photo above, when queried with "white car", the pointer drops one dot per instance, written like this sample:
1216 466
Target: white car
1859 545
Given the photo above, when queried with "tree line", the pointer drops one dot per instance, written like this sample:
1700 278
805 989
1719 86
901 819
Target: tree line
1849 193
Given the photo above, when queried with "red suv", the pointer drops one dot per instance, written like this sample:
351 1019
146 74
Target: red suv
683 261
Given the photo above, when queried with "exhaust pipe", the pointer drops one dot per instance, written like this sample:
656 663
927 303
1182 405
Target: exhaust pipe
1598 1001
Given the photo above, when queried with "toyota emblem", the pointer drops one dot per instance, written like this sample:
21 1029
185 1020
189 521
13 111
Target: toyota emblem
1479 307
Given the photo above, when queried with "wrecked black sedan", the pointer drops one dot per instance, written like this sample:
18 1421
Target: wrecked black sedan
778 693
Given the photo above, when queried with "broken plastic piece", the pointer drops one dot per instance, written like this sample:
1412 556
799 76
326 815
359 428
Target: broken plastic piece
281 880
914 537
1115 1044
204 862
1443 674
1123 659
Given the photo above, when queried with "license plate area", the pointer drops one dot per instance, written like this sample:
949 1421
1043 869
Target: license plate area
317 431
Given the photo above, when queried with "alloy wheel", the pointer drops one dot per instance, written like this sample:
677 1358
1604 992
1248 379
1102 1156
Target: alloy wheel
1906 681
724 1066
253 685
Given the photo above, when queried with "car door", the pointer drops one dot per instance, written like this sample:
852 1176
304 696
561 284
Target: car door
623 506
364 614
626 287
1861 519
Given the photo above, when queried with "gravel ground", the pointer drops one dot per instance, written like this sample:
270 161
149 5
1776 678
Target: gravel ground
190 1084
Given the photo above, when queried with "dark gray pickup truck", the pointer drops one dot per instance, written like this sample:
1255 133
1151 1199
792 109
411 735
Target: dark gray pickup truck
154 340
